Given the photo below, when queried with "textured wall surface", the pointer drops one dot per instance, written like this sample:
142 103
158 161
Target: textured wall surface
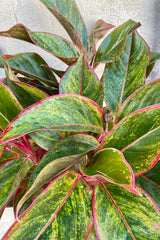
35 16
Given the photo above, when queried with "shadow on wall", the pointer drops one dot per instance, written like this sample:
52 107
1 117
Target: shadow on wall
156 36
1 52
155 39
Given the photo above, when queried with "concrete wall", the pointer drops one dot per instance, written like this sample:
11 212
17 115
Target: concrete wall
35 16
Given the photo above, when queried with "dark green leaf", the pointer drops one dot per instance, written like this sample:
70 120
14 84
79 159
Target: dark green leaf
1 213
29 65
47 89
25 93
120 214
154 57
81 79
61 112
59 47
68 15
59 73
152 188
121 78
113 45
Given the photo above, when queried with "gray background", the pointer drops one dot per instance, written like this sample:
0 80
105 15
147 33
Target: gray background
35 16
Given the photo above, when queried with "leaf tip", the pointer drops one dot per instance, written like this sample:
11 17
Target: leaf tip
133 190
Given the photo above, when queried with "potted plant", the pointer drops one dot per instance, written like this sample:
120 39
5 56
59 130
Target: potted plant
79 154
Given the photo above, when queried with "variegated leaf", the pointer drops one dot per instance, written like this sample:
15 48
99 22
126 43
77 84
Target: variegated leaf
81 79
120 214
59 47
67 112
121 78
113 45
137 135
68 15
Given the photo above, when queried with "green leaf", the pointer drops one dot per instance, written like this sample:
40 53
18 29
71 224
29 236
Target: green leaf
81 79
153 174
99 30
9 106
121 78
29 65
120 214
152 188
92 235
56 160
68 15
1 213
59 47
150 182
113 45
11 175
33 222
145 96
111 164
145 151
61 112
59 73
25 93
21 191
43 87
74 220
46 138
6 154
154 57
137 135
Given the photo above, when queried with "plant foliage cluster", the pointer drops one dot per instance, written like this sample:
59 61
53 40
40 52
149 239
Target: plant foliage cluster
72 167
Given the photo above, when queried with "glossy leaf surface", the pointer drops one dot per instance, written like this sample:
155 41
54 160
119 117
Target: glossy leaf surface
113 45
9 106
40 214
59 47
121 78
145 96
75 216
111 164
81 79
11 175
119 214
134 134
29 65
60 112
56 160
68 15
